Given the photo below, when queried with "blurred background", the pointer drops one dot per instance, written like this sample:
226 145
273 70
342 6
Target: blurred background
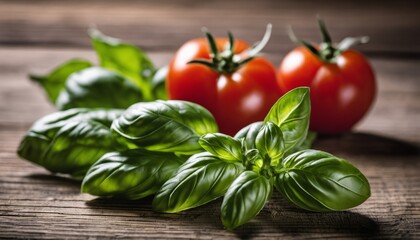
163 25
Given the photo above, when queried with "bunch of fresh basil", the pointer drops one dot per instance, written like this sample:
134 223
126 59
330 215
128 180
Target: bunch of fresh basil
262 156
172 148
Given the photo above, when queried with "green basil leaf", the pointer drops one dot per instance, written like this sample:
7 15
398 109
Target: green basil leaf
254 160
159 83
222 146
124 58
318 181
132 174
245 198
201 179
70 141
269 142
249 134
98 88
291 113
164 126
55 81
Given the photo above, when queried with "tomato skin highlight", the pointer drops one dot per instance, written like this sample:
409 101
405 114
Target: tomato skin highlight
341 92
235 99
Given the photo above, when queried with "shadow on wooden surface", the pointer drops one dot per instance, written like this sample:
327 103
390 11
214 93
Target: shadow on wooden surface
304 223
279 217
120 203
359 143
55 179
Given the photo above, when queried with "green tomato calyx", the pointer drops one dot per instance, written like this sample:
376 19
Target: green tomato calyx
226 61
327 50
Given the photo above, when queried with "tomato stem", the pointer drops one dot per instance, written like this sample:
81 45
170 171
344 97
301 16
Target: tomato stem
227 61
327 51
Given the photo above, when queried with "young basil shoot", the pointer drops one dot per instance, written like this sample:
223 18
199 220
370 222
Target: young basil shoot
245 169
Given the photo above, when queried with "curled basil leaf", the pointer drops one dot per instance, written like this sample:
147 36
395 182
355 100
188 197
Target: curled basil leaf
222 146
201 179
318 181
245 198
132 174
55 81
249 133
164 126
291 113
70 141
126 59
269 142
98 88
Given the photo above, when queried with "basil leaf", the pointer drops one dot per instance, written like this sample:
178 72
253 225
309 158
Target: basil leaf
132 174
269 142
318 181
158 83
254 160
222 146
164 126
249 133
124 58
70 141
201 179
291 113
98 88
55 81
245 198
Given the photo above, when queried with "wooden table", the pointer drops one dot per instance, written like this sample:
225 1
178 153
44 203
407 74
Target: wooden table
35 36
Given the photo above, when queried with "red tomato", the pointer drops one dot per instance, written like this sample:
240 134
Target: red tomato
236 98
341 80
342 91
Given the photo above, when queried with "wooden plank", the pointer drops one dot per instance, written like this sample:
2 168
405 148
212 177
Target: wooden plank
385 146
64 214
165 25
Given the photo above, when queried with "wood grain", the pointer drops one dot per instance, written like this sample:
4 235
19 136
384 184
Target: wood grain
35 37
157 25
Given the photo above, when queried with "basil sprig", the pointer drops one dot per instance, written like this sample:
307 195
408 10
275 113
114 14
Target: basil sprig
246 168
125 75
